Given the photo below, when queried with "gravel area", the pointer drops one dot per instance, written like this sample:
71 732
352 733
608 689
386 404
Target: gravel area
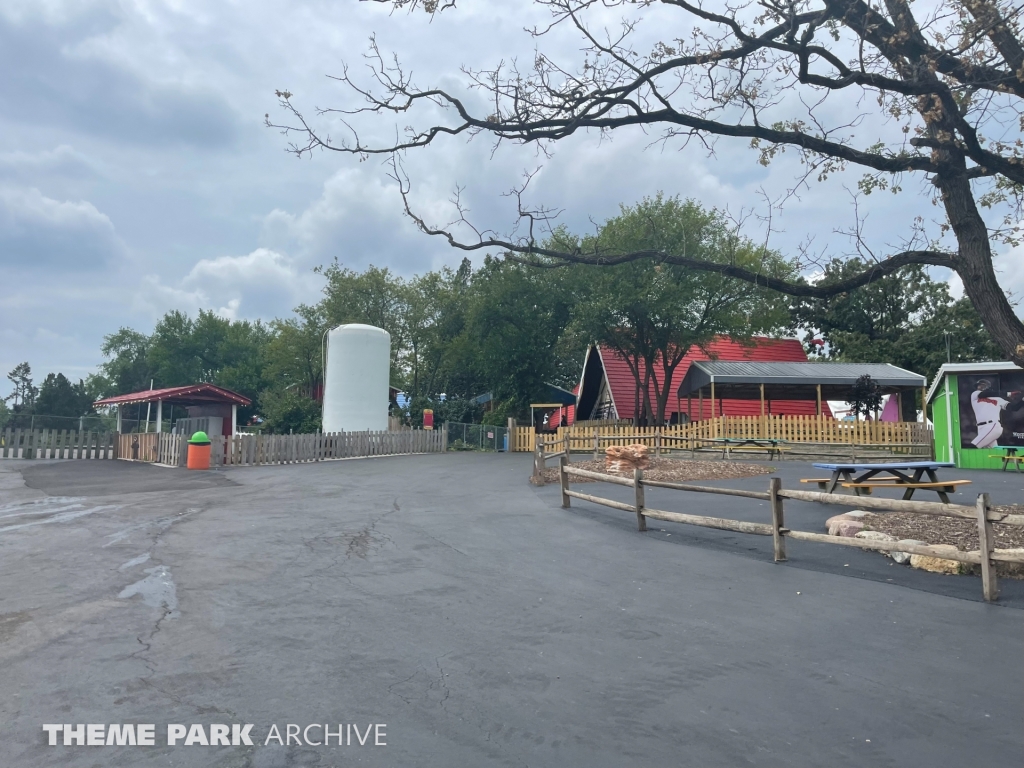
960 532
673 470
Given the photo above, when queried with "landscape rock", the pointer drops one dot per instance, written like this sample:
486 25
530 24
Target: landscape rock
850 528
904 557
856 515
623 459
936 564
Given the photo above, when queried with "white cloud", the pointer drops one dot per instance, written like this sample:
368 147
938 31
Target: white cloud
37 231
260 284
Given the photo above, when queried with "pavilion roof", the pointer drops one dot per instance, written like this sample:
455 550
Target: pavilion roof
192 394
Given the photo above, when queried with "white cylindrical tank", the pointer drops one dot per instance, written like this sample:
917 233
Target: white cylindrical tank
357 373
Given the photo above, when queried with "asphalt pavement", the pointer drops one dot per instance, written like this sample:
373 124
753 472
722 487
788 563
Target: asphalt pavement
445 597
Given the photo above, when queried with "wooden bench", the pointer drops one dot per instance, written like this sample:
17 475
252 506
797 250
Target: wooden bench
948 486
1007 458
821 481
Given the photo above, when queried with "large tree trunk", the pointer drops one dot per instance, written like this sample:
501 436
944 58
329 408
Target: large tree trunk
974 265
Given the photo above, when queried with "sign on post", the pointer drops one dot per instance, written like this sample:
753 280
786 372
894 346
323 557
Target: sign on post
428 418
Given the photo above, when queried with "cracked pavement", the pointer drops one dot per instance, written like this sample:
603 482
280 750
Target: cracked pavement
446 597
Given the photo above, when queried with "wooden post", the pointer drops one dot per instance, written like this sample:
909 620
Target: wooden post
989 582
778 521
657 444
819 399
764 431
563 479
596 444
638 483
565 445
537 448
712 398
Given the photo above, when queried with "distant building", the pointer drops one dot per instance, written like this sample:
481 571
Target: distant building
607 387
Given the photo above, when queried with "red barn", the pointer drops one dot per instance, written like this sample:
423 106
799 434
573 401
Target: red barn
607 388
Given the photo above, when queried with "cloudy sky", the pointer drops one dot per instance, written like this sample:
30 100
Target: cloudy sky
136 175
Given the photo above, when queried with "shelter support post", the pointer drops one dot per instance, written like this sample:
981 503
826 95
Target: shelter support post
159 416
818 387
234 419
119 430
764 430
712 398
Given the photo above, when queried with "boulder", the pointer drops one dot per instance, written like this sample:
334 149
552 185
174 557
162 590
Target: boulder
904 557
856 515
623 459
850 527
936 564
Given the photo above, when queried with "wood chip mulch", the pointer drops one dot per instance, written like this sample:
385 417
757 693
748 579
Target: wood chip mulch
672 470
957 531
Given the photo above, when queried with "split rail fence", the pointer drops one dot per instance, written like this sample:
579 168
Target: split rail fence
813 433
985 556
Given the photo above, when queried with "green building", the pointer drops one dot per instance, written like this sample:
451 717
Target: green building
977 410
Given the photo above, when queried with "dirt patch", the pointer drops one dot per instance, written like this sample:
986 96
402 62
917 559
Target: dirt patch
673 470
957 531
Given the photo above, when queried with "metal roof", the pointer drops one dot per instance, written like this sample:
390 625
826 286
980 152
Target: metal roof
967 368
192 394
702 373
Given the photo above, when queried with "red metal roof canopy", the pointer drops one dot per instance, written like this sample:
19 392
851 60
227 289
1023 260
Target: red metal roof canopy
193 394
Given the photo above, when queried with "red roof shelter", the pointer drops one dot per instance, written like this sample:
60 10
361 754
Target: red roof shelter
607 387
199 400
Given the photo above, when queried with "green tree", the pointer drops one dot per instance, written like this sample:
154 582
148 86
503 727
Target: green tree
59 397
653 313
285 410
516 318
24 393
905 319
127 368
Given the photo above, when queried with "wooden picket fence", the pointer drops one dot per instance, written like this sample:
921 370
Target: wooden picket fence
911 438
257 450
57 444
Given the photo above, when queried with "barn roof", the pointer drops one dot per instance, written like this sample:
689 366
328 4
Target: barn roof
758 349
193 394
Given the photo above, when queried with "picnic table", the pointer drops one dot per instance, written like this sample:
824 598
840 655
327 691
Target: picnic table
770 444
891 474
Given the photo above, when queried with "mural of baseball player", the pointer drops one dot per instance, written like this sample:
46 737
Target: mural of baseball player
994 413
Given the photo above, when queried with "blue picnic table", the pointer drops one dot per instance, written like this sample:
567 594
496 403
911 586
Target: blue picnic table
906 473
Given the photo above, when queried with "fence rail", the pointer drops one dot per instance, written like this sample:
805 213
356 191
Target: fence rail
57 444
985 556
901 437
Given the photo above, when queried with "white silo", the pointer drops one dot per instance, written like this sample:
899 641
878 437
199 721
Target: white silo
357 373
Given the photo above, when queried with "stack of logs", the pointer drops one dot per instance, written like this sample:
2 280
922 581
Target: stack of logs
623 459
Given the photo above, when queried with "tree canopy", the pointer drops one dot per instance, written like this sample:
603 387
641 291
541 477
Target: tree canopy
945 82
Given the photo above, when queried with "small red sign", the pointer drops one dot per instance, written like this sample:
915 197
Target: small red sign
428 419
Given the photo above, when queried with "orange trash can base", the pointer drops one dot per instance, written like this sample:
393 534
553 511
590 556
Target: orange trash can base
198 456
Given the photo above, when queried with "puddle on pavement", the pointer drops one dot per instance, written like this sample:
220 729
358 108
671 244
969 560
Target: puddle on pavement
157 590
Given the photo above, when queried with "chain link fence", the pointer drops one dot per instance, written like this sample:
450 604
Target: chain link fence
476 437
92 423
